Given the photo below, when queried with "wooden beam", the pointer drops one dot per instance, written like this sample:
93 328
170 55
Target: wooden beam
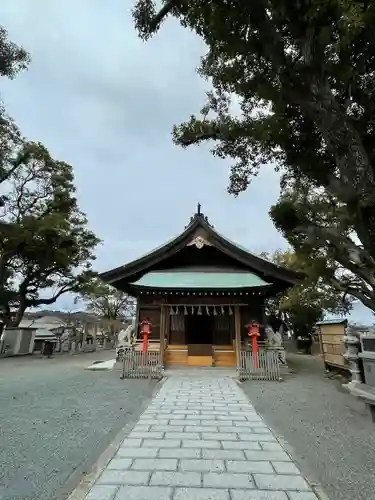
237 332
163 324
136 323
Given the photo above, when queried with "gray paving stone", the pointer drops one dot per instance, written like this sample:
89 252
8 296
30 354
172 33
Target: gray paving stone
252 436
155 421
141 428
147 435
195 443
186 421
246 412
293 495
285 468
182 435
186 412
175 479
270 446
174 416
201 417
203 465
137 453
200 494
224 454
235 418
161 443
245 423
124 477
280 482
119 464
253 417
151 464
258 495
227 480
180 453
132 443
217 422
248 467
102 492
200 428
220 436
143 493
261 430
278 456
215 413
241 445
167 428
160 411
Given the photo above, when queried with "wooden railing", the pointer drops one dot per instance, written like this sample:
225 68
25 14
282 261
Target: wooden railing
264 365
137 364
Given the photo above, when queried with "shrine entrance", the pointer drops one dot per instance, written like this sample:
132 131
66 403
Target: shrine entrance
199 329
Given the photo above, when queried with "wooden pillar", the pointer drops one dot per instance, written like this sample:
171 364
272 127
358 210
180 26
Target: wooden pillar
136 323
237 331
167 325
163 323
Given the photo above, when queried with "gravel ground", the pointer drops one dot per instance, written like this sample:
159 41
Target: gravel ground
331 432
57 418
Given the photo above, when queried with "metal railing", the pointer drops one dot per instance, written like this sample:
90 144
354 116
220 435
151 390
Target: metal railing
138 364
264 365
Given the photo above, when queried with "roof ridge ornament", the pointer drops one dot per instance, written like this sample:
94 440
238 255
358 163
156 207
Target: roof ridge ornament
199 242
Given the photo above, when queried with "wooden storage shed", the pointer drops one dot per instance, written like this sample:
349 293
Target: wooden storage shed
331 337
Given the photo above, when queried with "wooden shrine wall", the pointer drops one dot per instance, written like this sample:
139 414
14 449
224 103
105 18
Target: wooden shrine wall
224 332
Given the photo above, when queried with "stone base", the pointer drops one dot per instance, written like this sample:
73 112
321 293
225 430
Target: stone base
366 393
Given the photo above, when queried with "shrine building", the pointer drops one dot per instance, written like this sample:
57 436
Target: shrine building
199 291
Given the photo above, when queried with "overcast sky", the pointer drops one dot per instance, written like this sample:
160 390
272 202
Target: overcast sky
105 102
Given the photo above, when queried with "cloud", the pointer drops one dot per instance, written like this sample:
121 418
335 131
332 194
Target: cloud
105 102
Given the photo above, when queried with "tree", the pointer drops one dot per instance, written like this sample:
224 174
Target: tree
46 248
302 72
306 303
107 302
12 60
337 264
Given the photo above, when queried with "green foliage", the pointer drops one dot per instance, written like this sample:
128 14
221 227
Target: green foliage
46 247
12 57
108 302
306 303
300 73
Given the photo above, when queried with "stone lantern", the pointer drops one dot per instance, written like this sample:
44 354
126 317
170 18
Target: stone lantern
352 344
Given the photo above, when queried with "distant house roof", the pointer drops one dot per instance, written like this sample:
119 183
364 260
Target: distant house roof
52 327
338 321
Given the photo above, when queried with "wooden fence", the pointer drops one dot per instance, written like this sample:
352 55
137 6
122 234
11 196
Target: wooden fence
137 364
262 366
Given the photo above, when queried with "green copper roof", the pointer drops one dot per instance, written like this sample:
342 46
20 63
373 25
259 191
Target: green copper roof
188 279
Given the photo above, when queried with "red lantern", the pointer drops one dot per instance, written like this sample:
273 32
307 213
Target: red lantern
253 333
146 329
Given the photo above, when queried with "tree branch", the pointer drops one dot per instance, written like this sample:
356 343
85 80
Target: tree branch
162 14
51 300
345 250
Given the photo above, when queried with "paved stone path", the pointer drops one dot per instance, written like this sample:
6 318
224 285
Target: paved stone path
201 439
